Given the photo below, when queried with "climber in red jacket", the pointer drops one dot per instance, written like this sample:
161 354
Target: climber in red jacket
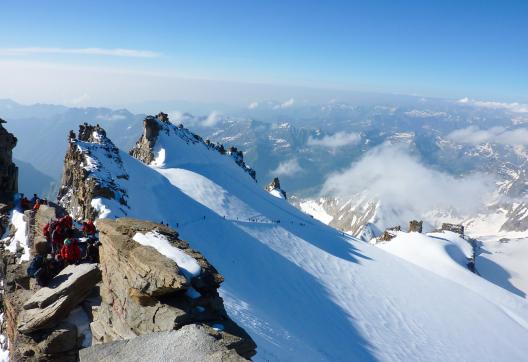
67 222
88 228
70 252
57 238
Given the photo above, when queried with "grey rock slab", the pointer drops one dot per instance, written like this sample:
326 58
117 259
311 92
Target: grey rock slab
190 343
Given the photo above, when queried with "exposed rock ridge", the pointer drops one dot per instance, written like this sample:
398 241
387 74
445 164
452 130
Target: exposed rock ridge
8 170
153 126
143 291
92 169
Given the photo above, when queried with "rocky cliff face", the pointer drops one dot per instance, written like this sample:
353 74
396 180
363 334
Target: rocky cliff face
8 170
92 169
144 291
145 147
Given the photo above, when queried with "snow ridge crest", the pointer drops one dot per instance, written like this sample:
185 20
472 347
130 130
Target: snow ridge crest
156 126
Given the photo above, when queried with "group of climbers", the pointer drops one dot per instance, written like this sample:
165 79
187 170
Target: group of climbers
64 247
31 204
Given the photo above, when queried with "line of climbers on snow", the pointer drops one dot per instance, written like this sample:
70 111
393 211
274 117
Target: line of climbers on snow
65 245
254 220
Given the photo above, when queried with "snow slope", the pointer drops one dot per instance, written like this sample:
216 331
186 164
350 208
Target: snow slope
503 254
305 291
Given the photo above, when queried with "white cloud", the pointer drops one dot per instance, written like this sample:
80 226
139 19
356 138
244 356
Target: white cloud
117 52
111 117
285 104
253 105
512 107
288 168
336 140
390 174
80 100
474 135
212 119
425 114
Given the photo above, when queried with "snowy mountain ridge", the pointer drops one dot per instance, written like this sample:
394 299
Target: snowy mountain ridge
303 290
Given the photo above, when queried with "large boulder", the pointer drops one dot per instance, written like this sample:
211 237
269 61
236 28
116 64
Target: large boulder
191 343
51 304
143 291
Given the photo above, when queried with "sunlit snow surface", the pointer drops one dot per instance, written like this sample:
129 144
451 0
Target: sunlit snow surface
186 263
304 291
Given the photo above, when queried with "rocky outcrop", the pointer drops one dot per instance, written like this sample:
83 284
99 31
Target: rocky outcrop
456 228
275 189
191 343
415 226
160 124
143 291
92 169
51 304
389 233
144 148
8 170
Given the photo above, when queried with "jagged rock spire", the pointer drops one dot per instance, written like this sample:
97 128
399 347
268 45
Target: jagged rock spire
86 177
275 187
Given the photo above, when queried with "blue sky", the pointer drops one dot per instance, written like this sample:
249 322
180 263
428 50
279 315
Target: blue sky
448 49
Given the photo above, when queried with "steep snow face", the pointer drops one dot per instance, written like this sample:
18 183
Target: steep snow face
305 291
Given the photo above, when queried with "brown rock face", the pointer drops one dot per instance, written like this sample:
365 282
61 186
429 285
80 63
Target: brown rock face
8 170
415 226
143 291
151 129
456 228
389 233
